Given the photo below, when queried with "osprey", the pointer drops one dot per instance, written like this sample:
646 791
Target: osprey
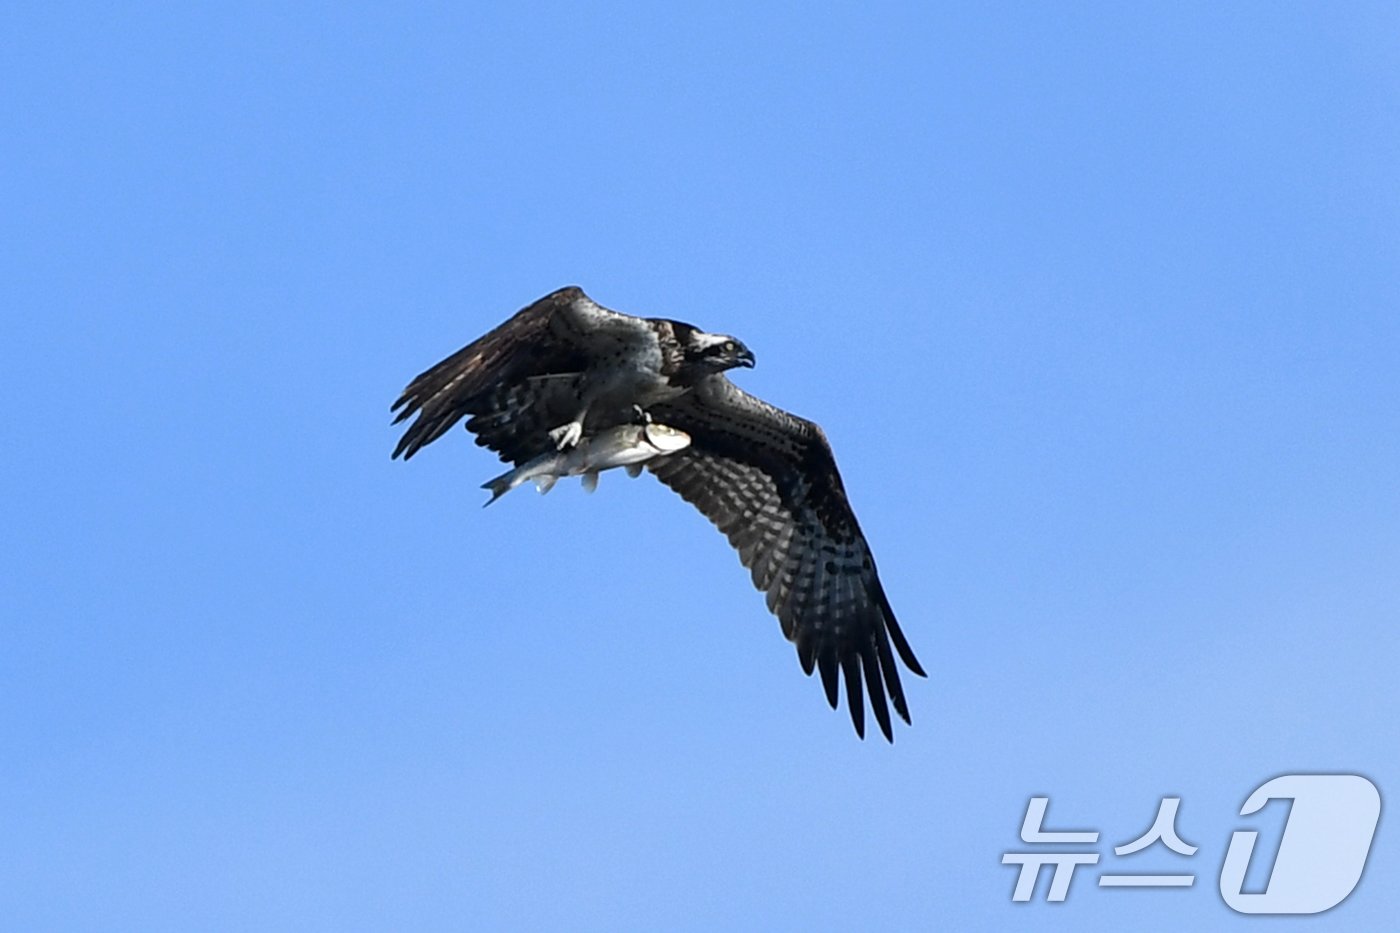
566 368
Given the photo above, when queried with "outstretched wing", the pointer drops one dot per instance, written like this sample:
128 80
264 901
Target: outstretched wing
767 479
519 380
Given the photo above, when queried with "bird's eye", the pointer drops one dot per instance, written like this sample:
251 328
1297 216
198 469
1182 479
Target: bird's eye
729 346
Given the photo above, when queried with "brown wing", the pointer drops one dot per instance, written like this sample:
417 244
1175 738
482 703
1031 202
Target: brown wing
767 480
519 380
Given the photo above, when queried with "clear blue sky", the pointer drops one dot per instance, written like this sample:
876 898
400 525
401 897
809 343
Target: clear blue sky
1098 303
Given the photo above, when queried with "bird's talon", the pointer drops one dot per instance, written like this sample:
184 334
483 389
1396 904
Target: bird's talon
566 435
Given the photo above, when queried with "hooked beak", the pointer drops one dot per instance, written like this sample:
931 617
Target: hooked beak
745 358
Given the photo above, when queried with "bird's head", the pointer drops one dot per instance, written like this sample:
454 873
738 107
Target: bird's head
716 352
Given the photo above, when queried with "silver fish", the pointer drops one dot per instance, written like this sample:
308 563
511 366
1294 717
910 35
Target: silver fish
629 445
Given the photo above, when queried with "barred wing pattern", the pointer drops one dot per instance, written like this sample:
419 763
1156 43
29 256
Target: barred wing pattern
520 379
768 481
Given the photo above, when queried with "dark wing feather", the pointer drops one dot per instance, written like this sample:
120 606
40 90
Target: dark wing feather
514 418
518 381
767 480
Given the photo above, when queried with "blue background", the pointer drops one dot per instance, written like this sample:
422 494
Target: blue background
1096 302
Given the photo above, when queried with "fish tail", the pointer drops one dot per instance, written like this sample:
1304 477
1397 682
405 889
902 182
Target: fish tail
512 478
500 486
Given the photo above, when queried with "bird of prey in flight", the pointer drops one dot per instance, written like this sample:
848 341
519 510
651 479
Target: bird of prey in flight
565 369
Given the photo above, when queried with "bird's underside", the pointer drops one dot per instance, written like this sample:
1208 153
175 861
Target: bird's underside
565 368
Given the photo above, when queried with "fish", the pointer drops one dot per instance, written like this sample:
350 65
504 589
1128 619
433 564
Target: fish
629 445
